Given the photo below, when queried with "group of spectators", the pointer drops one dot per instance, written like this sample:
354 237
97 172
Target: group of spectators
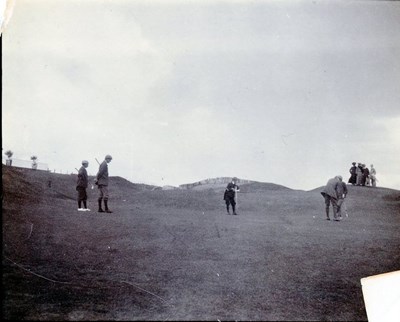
360 175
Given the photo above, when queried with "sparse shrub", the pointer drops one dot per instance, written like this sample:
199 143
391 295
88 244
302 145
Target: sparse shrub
9 154
34 163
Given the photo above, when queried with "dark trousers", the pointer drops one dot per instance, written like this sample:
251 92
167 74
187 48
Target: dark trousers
82 195
103 192
230 201
330 200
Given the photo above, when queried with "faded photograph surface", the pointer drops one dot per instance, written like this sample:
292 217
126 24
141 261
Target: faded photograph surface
225 122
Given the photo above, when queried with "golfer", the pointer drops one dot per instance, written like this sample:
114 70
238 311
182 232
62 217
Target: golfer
230 195
341 193
330 194
81 185
102 184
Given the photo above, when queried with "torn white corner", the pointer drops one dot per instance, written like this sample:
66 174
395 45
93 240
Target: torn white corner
382 296
6 9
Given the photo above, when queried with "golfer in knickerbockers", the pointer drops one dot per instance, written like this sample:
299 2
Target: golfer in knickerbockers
230 194
81 185
102 183
330 194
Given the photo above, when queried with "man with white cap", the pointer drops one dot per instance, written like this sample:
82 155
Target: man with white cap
102 183
330 194
81 185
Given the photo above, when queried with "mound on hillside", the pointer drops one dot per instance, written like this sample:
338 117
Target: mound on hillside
212 182
360 188
124 184
262 187
30 185
219 184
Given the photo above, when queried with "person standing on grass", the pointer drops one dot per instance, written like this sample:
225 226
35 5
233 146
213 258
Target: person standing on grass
341 193
102 183
365 176
230 195
372 174
330 194
353 174
81 186
359 172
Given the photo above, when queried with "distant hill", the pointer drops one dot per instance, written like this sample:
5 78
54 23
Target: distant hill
220 183
261 187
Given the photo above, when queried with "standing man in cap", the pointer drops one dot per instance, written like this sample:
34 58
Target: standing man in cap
230 195
102 183
81 186
330 194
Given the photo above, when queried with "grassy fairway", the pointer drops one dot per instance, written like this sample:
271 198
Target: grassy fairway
176 254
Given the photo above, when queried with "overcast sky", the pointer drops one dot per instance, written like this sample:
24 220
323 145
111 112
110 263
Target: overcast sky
288 92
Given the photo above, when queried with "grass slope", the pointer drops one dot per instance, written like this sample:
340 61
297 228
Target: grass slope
176 255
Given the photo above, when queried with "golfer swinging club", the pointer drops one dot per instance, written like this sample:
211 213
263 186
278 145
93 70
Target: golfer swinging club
230 195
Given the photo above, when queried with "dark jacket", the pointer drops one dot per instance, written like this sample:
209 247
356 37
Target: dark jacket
342 190
82 178
331 188
230 190
102 175
353 177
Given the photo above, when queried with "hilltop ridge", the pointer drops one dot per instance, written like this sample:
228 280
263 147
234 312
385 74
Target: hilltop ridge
38 182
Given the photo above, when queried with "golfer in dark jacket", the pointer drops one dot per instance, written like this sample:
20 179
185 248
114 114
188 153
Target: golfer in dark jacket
81 185
102 183
330 194
230 195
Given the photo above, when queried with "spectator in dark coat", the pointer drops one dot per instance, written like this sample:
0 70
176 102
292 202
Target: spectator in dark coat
365 176
353 174
81 185
330 194
102 183
230 195
359 172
